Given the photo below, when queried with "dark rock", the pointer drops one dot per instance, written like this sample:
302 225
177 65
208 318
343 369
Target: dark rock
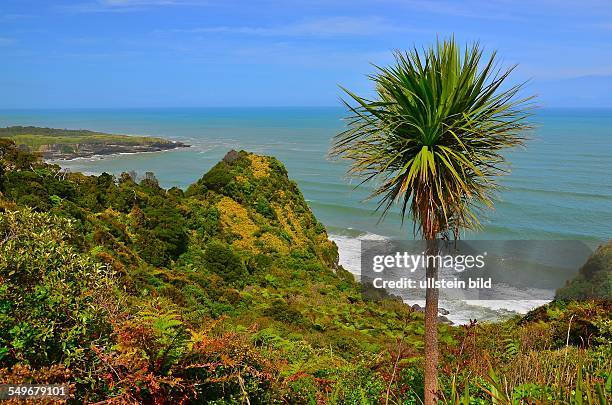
86 150
443 319
231 156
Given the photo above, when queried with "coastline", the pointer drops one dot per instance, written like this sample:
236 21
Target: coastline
69 144
458 312
113 150
339 205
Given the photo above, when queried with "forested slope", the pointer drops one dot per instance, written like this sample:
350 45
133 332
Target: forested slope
231 292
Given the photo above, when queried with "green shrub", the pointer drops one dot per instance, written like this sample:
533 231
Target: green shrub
280 311
217 178
263 207
222 260
52 299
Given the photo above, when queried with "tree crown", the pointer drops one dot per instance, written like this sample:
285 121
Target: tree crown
433 135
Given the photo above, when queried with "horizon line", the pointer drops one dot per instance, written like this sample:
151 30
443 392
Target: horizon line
604 107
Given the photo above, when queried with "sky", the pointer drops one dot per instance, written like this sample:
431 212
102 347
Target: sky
197 53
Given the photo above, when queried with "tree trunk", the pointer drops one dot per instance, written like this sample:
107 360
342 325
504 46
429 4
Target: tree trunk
431 328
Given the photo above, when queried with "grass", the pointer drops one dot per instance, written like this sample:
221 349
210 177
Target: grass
35 137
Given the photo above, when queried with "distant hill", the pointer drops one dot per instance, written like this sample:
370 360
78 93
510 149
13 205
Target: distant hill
69 143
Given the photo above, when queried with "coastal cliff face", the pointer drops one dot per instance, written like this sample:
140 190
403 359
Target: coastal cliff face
65 151
226 292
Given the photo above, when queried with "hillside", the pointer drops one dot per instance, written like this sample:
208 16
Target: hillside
594 280
54 143
231 292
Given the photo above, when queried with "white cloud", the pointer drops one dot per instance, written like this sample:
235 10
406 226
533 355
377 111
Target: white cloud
100 6
323 27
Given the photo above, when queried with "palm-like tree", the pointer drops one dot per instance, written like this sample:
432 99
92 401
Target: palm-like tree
432 140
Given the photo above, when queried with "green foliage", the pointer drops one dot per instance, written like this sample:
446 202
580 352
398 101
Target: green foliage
55 200
280 311
14 158
52 298
231 292
168 336
216 179
205 221
594 281
263 207
166 225
573 322
36 137
434 135
222 260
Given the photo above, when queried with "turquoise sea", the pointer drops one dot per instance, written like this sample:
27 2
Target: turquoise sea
560 186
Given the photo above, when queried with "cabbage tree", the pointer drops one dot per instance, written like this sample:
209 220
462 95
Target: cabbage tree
432 140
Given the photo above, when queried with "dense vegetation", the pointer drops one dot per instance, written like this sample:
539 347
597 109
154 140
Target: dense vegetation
594 280
230 292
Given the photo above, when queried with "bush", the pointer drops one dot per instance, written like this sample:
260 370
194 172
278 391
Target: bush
282 312
263 207
162 237
221 259
52 298
217 178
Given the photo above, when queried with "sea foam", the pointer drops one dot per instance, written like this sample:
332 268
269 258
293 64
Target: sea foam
460 311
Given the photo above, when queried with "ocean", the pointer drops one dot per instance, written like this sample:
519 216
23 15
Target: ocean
560 187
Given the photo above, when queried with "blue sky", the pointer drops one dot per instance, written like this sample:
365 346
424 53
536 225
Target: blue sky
173 53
